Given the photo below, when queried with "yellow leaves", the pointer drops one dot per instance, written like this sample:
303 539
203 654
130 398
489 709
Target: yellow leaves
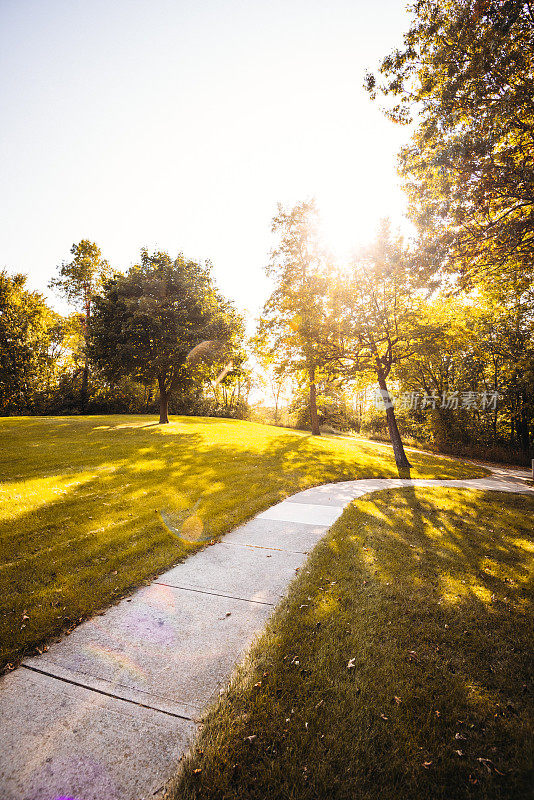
295 323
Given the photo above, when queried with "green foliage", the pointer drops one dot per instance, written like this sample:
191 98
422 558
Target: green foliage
375 305
375 316
29 335
292 315
78 281
295 318
146 323
332 407
480 345
81 278
465 76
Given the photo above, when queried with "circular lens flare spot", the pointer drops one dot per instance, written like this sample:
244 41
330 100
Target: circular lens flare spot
192 528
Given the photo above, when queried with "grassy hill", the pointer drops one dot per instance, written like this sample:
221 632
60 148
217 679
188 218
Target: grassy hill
92 506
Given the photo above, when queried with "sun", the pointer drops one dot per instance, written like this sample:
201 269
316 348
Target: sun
349 220
345 224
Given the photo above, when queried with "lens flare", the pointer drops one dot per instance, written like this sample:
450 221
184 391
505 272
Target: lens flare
187 526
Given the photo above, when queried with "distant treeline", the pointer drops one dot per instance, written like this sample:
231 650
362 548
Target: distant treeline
126 347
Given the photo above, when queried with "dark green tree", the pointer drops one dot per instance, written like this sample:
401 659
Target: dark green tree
28 330
159 321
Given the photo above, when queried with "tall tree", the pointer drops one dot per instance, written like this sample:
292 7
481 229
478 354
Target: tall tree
464 77
375 309
294 315
79 280
147 323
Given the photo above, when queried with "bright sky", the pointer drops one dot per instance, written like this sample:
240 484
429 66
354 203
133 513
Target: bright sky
180 125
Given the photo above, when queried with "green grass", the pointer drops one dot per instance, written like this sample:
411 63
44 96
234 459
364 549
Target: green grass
398 667
81 503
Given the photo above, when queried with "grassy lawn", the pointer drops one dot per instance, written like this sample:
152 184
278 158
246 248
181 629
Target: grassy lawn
93 506
399 666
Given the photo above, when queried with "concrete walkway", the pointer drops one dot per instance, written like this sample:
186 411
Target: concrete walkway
107 712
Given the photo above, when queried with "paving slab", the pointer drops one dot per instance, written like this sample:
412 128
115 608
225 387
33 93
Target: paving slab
260 575
176 645
277 535
60 740
340 494
303 513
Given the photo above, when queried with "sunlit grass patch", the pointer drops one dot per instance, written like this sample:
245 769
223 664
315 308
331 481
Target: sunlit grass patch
93 506
399 667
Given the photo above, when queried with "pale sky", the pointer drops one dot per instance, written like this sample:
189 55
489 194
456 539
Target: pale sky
180 125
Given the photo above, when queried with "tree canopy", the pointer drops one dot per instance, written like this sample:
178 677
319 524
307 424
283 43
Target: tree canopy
146 323
294 315
464 78
78 281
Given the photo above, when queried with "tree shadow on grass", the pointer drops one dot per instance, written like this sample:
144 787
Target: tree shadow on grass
88 526
398 668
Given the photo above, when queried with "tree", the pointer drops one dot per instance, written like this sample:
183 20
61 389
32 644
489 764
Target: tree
79 280
468 350
294 315
274 381
27 334
375 309
157 321
465 77
332 405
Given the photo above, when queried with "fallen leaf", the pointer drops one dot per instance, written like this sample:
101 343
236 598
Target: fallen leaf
426 764
384 716
486 762
397 700
458 752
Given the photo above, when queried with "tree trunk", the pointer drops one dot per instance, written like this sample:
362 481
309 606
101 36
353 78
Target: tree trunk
148 398
394 435
522 430
84 392
313 404
163 403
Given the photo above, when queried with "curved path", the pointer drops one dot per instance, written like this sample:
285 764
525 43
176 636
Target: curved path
108 711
